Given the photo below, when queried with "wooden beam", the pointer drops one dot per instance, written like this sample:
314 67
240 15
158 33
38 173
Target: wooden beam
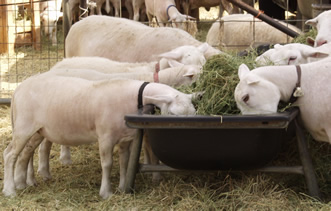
7 29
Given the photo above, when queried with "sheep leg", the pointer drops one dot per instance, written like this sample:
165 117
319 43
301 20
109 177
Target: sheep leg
124 153
44 152
65 156
21 136
106 147
150 158
20 176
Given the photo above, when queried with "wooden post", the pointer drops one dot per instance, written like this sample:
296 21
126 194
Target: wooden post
7 28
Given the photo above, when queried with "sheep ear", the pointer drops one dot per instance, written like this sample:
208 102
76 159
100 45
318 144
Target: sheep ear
317 54
189 75
242 71
174 63
312 22
203 47
310 41
170 55
252 79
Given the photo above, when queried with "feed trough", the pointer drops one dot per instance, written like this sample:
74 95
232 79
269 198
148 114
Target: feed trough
229 142
215 143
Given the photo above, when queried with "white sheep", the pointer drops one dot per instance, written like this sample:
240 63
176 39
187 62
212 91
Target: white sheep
323 23
92 111
105 65
188 55
97 68
126 40
260 90
291 54
240 31
177 75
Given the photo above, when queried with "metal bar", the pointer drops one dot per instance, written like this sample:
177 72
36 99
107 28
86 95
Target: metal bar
5 101
264 17
282 169
307 163
133 162
268 169
156 168
66 24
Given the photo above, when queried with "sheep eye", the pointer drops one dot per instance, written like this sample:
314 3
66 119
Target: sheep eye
292 58
245 98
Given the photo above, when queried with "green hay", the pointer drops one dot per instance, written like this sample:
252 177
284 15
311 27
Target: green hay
303 37
218 82
219 79
76 187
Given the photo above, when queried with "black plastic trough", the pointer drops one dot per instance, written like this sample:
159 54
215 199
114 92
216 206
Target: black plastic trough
216 142
229 142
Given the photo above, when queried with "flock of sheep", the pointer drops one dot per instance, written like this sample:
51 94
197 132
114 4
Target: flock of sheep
116 66
167 14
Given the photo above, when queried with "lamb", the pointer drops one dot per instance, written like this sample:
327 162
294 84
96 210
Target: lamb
250 30
292 54
165 11
105 65
99 69
96 115
322 22
260 90
125 40
177 75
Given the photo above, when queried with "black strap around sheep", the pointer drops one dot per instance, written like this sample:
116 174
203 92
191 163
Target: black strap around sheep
140 96
297 92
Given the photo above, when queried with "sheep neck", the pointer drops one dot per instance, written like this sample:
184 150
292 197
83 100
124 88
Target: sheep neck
284 77
170 76
172 13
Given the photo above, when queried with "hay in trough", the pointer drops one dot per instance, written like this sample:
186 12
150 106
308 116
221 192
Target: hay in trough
220 77
218 82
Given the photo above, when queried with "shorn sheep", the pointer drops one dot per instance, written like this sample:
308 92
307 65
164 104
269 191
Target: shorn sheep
92 111
260 90
125 40
249 30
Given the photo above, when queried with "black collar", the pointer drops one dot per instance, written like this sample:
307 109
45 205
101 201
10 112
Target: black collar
297 92
140 96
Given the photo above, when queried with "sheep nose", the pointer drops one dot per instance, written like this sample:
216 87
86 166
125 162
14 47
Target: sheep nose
320 42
